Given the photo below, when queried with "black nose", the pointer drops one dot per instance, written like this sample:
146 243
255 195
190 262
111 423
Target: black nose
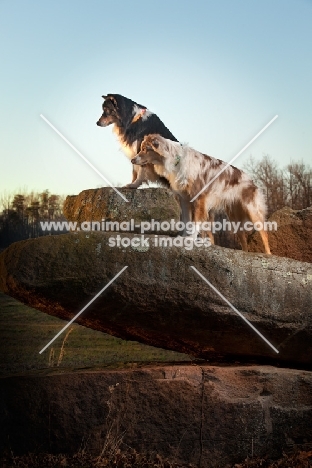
98 123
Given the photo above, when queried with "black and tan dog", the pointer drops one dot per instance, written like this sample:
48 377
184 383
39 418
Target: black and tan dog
131 123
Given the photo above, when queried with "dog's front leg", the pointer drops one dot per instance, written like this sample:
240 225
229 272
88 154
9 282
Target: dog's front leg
137 178
186 211
200 214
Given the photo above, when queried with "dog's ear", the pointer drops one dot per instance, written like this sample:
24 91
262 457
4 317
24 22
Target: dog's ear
155 142
111 98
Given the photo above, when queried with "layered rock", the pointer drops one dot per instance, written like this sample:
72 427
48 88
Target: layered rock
208 416
160 300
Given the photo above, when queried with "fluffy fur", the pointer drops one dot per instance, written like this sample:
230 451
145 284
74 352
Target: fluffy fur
131 123
189 171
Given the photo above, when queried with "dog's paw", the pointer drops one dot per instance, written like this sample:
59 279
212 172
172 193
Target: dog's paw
185 235
132 186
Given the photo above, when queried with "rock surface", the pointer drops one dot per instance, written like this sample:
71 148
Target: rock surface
161 301
293 238
207 415
104 203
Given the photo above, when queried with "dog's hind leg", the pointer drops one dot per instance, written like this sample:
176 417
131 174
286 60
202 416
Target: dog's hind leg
255 212
242 240
208 232
237 215
256 218
265 240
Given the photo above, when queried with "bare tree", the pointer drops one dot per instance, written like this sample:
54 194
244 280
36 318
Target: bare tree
6 200
291 186
298 177
269 177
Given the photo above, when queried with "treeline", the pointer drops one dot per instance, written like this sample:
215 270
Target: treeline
21 214
291 186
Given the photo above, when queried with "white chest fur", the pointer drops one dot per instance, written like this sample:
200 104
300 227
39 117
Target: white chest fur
129 150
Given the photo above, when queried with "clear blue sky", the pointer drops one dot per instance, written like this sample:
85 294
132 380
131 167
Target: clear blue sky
214 71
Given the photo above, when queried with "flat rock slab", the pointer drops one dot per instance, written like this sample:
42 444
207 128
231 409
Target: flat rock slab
161 301
208 416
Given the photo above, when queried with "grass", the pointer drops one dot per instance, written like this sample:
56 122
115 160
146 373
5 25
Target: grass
24 331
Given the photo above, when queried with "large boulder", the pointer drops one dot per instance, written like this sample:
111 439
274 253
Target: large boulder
104 203
293 237
205 415
160 300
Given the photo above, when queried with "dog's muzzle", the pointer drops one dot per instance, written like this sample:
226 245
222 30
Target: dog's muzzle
137 160
102 122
